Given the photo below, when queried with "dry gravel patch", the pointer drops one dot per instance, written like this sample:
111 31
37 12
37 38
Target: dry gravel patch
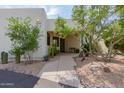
97 73
32 69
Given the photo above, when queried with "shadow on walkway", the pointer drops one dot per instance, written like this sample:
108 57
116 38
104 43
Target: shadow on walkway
10 79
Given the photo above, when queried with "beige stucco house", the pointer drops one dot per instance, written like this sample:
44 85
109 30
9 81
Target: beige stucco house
38 15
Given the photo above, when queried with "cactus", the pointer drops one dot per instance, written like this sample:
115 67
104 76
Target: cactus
2 54
4 57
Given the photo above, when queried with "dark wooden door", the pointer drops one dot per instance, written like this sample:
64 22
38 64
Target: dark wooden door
62 45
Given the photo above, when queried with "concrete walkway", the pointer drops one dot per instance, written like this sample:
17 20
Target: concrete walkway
59 72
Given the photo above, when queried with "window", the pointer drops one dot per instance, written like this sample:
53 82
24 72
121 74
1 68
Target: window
57 39
48 39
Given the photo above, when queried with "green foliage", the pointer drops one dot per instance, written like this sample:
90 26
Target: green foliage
24 36
60 23
4 57
120 12
113 33
120 45
63 29
97 22
53 50
17 51
119 9
90 22
79 13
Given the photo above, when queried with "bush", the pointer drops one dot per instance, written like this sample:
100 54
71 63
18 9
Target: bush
49 51
53 50
57 51
4 57
23 35
17 52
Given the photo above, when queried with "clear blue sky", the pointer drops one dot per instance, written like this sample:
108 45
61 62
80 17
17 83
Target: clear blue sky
62 11
53 11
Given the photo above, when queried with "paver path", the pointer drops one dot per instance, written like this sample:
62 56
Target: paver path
59 71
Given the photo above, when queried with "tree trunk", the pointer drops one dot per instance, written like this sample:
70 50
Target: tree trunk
18 58
108 57
109 53
90 46
102 48
100 45
27 56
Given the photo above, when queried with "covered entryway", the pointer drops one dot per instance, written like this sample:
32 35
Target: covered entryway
72 44
69 44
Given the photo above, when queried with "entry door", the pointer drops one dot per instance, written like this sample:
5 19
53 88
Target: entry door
62 45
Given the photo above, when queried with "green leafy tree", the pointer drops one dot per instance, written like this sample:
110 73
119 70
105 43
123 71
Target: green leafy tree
113 35
62 29
119 10
98 24
24 36
91 21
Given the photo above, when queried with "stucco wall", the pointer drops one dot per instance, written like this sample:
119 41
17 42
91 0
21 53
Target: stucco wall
36 13
46 25
72 42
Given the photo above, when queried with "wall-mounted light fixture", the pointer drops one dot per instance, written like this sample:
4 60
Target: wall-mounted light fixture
38 22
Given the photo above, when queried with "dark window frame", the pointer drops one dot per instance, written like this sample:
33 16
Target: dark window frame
57 39
48 39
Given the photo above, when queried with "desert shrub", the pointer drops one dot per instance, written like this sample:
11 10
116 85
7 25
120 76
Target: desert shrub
24 36
53 50
4 57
